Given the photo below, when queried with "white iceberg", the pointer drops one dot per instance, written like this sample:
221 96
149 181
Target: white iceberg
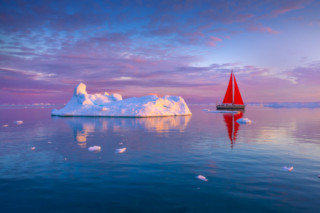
244 121
288 168
84 104
201 177
94 148
121 150
18 122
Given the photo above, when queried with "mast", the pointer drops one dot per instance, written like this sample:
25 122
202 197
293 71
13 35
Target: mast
232 87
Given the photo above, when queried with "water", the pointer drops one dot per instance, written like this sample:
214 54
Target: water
157 173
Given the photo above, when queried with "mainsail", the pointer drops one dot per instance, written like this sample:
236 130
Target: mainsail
233 95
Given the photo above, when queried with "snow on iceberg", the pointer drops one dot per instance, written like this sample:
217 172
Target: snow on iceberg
84 104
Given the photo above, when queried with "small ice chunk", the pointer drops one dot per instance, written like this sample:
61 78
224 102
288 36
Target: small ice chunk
120 143
18 122
104 109
244 121
5 125
288 168
33 148
94 148
49 142
121 150
201 177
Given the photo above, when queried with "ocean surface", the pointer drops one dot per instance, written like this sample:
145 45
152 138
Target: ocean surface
45 164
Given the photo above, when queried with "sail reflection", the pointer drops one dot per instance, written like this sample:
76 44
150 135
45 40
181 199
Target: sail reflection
83 127
232 125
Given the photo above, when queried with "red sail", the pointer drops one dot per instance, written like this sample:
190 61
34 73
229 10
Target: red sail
237 95
228 97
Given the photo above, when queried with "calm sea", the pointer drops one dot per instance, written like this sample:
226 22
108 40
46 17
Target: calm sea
45 165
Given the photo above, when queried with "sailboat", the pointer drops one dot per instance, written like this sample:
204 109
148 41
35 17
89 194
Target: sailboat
232 100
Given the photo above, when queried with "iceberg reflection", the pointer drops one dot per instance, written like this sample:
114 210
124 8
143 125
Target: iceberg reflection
84 126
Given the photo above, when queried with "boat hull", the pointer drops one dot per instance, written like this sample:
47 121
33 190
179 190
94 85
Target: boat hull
231 106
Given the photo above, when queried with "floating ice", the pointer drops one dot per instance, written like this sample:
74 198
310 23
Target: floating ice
5 125
18 122
84 104
201 177
288 168
94 148
244 121
33 148
220 111
293 105
121 150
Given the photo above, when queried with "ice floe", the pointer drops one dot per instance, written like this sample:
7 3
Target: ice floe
122 150
285 168
18 122
201 177
94 148
293 105
5 125
244 121
33 148
84 104
220 111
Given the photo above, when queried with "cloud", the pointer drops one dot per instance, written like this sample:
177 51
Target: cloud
213 41
260 28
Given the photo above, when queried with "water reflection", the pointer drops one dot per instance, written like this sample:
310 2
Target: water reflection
232 125
84 126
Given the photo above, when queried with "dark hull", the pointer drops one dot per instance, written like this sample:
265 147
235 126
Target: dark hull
231 107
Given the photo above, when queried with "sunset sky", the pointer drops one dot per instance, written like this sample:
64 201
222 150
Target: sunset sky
137 48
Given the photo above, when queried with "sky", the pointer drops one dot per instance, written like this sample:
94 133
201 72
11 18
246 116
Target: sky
171 47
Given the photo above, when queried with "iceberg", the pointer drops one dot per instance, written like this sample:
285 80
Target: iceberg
94 148
18 122
285 168
84 104
122 150
201 177
244 121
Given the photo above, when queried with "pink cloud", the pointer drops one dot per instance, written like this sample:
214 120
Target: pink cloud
260 28
287 7
213 40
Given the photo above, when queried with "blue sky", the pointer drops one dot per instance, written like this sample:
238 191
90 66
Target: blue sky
137 48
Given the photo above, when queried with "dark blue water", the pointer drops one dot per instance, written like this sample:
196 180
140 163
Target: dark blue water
157 173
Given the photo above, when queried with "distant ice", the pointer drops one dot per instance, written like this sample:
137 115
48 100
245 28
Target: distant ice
18 122
201 177
220 111
5 125
288 168
121 150
84 104
33 148
244 121
293 105
94 148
